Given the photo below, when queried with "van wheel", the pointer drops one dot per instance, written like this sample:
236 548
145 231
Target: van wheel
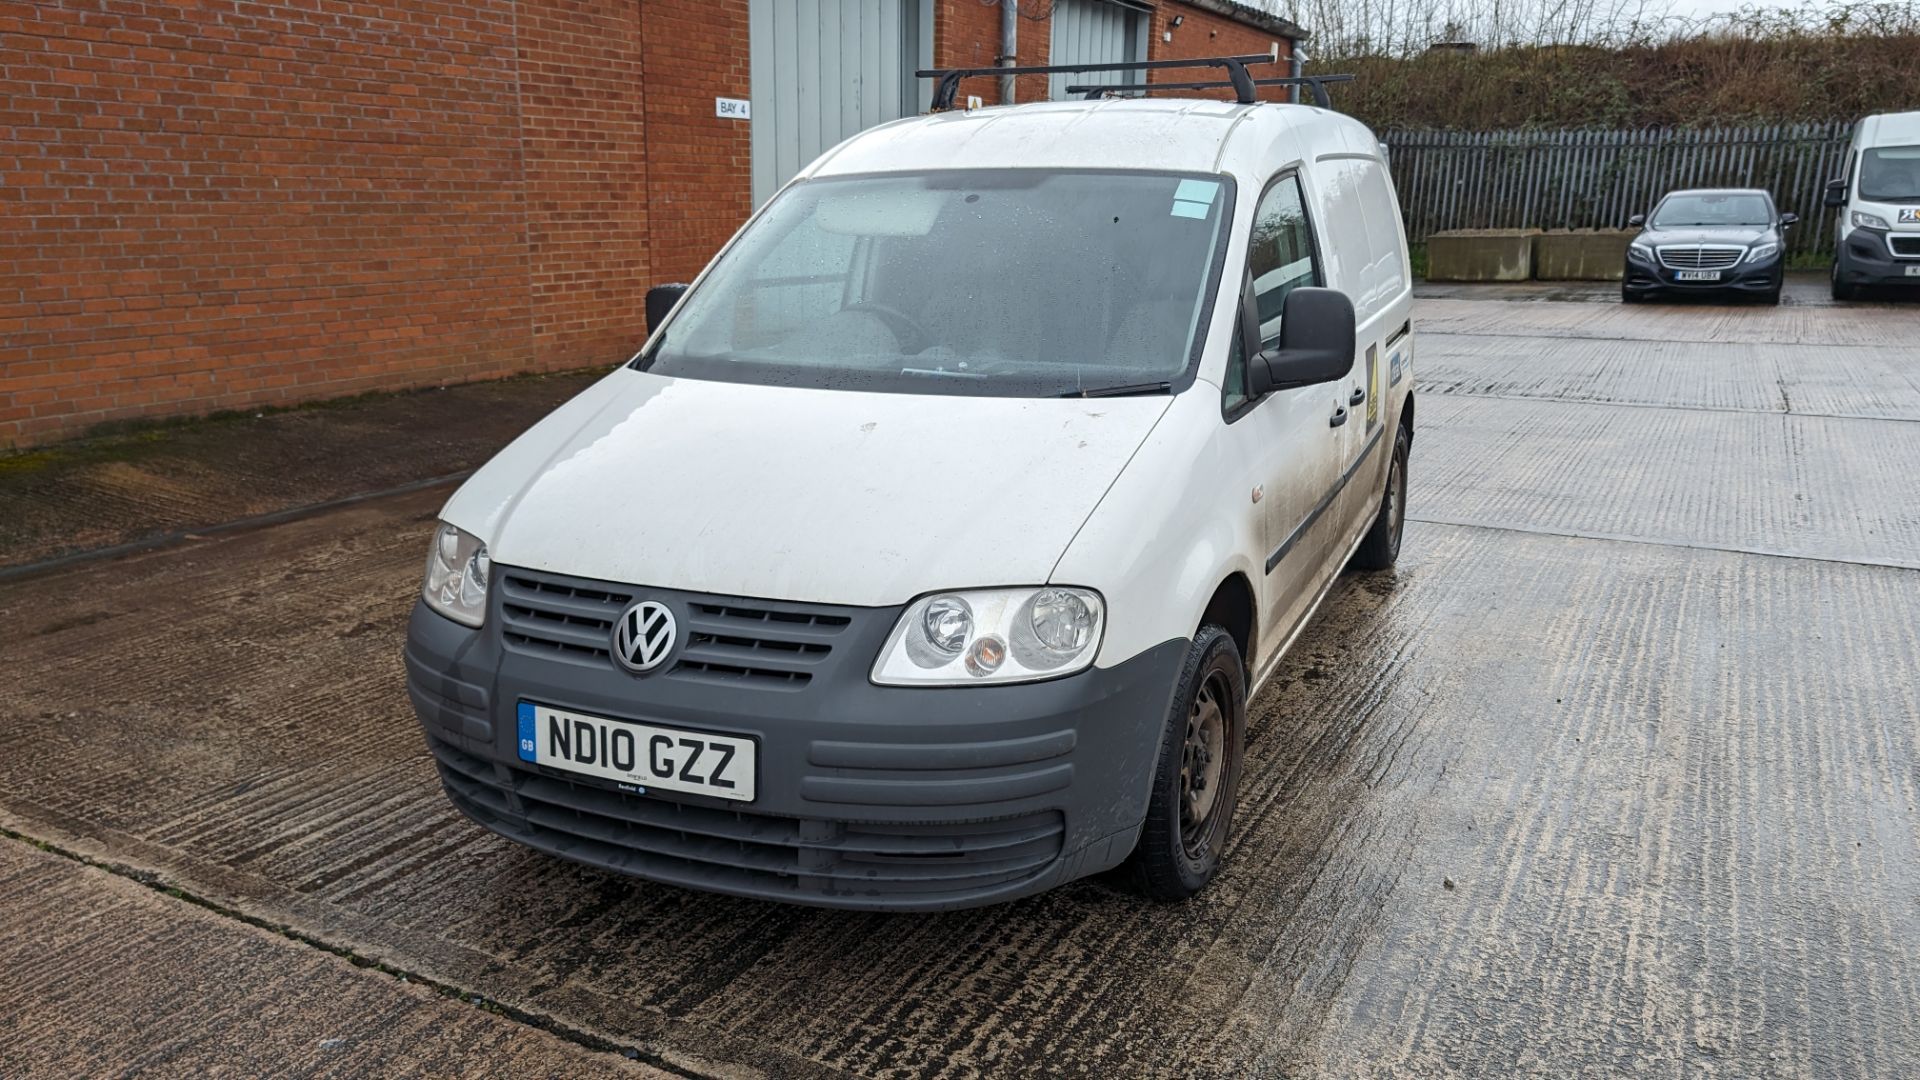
1381 547
1197 778
1842 290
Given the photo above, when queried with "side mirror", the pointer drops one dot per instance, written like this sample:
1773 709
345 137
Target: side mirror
1788 219
1636 221
1836 193
1316 342
660 300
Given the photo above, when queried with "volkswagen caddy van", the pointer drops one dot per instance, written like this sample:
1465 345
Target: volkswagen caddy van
1877 236
930 549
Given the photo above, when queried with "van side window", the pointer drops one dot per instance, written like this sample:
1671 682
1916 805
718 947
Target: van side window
1233 392
1280 254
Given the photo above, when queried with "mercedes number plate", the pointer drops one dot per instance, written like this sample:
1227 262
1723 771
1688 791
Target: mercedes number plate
1696 275
638 755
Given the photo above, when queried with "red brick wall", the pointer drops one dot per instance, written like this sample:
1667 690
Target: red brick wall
699 166
584 158
217 204
221 204
966 33
1202 33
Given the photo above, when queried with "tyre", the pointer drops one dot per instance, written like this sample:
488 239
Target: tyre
1627 297
1771 296
1380 548
1842 290
1197 777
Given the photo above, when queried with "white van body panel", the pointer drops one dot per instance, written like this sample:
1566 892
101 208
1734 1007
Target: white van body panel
872 499
811 495
1885 129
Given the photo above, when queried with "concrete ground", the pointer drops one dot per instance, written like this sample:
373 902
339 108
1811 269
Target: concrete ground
1618 774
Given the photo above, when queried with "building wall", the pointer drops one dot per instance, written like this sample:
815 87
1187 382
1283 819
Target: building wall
967 34
237 203
1203 33
699 166
233 204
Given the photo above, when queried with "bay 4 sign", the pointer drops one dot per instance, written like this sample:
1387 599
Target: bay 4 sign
670 759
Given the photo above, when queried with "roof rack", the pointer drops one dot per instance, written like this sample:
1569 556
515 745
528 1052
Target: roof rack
1243 84
1314 82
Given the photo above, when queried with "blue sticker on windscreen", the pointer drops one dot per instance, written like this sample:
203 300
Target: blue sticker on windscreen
1193 198
527 732
1200 191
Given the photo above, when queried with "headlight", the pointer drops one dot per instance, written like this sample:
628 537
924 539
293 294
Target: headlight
1760 252
457 568
1640 250
992 636
1868 221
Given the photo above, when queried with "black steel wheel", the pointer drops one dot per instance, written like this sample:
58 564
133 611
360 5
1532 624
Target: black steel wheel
1197 777
1380 548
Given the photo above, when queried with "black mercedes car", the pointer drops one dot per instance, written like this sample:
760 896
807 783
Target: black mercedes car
1728 240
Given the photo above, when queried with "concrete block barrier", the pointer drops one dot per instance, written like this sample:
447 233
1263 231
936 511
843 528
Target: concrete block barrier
1481 255
1581 254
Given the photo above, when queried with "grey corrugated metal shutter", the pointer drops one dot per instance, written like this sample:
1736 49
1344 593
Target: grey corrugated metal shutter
1095 32
825 69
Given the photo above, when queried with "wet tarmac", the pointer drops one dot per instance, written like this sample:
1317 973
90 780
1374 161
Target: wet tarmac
1618 774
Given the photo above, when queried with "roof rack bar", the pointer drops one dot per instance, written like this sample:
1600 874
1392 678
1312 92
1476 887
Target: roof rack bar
1243 84
1313 82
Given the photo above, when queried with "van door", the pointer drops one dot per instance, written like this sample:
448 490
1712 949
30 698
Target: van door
1371 266
1295 435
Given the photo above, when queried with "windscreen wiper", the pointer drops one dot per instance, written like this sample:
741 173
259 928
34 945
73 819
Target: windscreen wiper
1123 390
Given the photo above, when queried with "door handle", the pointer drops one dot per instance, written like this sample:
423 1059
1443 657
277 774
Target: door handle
1359 396
1339 417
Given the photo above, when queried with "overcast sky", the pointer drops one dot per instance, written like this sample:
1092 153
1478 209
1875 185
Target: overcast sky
1696 8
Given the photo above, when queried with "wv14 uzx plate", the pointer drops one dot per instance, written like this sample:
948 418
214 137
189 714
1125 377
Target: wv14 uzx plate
1696 275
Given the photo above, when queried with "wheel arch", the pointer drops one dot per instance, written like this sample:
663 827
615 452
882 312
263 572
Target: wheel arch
1235 609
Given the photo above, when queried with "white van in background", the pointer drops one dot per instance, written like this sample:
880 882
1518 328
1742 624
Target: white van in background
1877 238
929 551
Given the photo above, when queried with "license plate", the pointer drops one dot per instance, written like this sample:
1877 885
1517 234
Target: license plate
1696 275
639 755
1913 271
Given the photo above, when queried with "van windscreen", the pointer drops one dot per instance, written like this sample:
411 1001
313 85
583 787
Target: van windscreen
1890 174
1025 283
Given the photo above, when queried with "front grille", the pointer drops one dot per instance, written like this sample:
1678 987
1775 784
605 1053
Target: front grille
567 620
1699 257
773 646
1907 247
767 644
761 854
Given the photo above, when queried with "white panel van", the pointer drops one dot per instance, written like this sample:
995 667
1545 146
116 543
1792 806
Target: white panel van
1877 236
929 551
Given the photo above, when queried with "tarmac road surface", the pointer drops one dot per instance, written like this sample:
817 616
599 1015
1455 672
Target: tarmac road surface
1618 774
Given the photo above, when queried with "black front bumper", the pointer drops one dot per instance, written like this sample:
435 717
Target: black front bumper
1865 260
868 797
1649 277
